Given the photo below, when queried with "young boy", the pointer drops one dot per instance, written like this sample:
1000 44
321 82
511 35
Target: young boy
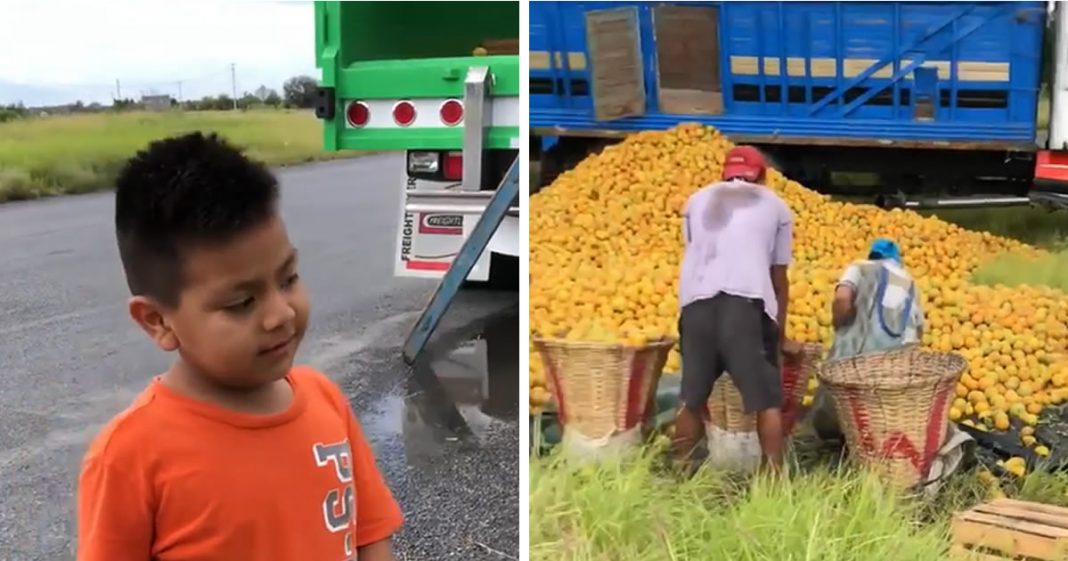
232 454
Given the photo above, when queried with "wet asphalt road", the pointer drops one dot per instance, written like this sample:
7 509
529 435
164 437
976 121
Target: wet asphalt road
70 359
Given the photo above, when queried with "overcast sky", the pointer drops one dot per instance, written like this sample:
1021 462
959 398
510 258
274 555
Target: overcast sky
149 46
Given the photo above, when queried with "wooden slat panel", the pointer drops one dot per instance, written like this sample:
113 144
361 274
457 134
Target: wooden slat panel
1055 523
961 553
688 102
1011 505
1008 536
687 53
687 47
615 63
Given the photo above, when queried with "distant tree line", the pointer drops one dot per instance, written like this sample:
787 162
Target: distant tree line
297 92
12 112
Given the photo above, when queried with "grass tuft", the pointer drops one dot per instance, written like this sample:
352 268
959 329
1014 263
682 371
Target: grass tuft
1016 270
633 509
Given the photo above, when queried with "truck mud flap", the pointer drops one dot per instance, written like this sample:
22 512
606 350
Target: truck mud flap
427 242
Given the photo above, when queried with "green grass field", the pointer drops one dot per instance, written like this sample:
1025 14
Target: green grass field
638 510
1035 226
81 153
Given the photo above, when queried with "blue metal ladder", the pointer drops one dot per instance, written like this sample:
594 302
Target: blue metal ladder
497 208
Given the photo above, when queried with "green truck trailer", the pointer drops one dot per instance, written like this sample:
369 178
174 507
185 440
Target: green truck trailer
438 81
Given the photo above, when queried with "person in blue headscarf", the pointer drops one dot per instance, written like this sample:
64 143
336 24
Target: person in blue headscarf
877 307
885 297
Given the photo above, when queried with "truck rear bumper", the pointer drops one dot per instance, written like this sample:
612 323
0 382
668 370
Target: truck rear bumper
1050 188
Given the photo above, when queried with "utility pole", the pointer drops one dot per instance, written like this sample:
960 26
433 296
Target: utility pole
233 82
118 90
179 91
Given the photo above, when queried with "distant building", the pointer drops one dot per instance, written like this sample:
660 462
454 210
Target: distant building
156 102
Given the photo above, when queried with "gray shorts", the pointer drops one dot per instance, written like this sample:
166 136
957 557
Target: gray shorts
733 334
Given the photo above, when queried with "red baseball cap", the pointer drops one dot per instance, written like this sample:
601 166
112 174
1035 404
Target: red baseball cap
745 162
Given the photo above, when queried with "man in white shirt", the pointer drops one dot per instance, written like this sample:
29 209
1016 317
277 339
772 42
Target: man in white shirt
733 291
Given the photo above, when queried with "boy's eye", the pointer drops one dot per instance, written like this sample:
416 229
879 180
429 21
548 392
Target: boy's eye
240 305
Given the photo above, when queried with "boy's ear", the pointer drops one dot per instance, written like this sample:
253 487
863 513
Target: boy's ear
149 316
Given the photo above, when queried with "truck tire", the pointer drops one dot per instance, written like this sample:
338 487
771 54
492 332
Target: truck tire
504 274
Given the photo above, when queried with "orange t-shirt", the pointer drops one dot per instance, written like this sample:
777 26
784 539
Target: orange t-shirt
173 479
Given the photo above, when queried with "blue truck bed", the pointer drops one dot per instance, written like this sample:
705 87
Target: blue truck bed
909 74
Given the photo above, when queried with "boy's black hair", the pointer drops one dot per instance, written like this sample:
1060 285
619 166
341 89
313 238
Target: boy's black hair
188 191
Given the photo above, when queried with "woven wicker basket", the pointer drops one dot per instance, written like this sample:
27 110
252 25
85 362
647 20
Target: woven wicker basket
725 409
602 390
892 407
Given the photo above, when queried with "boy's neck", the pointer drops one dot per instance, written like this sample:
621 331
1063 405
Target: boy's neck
268 399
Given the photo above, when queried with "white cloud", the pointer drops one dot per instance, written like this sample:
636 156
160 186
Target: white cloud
82 47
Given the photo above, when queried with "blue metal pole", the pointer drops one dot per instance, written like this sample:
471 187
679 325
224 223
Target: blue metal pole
461 266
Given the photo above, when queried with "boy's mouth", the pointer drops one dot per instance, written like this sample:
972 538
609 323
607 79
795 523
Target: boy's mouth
278 348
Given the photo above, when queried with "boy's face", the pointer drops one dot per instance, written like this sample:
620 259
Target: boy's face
243 310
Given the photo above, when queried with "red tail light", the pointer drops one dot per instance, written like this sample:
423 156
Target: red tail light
452 112
358 114
453 166
1051 165
404 113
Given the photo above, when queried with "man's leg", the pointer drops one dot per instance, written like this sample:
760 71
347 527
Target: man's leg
770 433
700 368
750 355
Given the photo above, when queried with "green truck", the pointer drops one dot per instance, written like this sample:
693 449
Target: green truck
440 82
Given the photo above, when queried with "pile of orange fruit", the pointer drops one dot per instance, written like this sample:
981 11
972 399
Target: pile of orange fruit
606 244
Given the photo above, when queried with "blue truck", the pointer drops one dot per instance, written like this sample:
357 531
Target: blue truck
939 100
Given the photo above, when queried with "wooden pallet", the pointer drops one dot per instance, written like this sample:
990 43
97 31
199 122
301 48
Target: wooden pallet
1006 529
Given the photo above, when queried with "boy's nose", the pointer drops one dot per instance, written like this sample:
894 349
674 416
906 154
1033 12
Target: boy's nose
279 313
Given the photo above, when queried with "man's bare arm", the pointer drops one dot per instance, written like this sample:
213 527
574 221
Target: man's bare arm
781 284
843 310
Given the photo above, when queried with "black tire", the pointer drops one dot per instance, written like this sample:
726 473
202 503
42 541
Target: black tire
504 274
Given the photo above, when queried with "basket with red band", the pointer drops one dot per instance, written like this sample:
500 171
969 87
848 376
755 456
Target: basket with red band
725 409
604 393
893 407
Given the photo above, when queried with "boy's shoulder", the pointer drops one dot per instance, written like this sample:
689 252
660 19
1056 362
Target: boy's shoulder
124 437
320 384
306 375
127 430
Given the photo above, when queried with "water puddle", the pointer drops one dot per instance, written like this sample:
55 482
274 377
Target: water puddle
462 394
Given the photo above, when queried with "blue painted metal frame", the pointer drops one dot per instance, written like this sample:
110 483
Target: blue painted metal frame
895 56
900 35
461 266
